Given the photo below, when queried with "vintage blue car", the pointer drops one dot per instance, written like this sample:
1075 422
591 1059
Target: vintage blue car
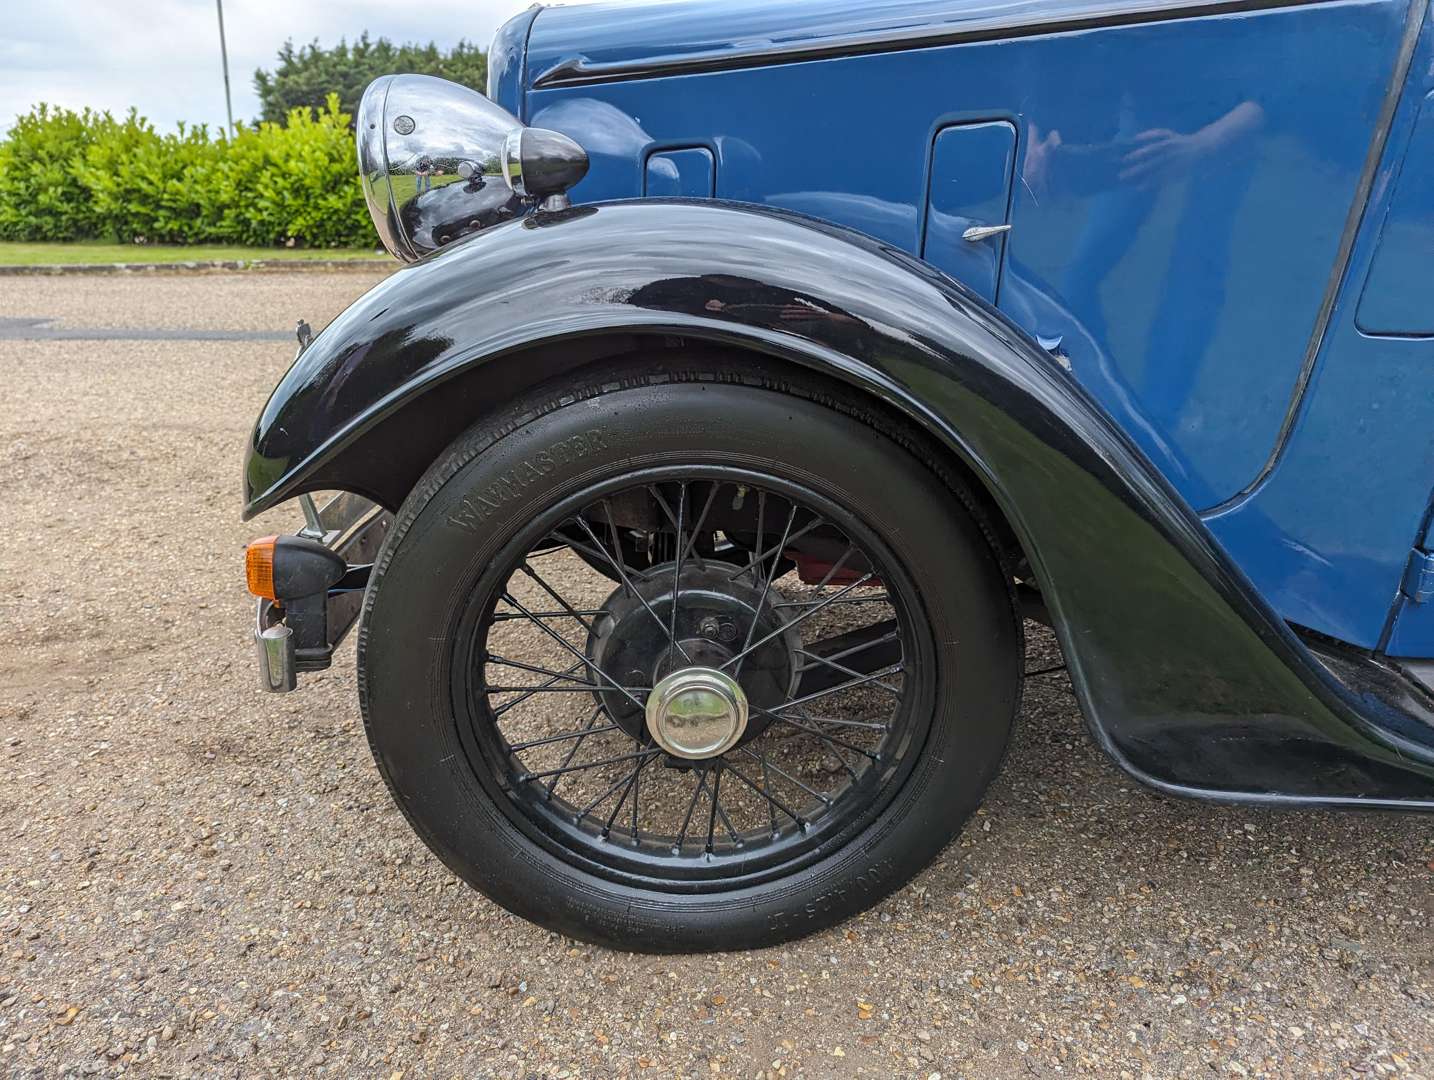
763 365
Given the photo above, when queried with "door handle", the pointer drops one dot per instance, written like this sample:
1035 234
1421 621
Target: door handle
976 233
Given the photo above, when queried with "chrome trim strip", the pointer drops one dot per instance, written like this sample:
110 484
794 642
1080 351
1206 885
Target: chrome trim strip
1414 23
579 71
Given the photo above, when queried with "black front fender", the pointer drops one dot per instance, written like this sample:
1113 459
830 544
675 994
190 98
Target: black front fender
1186 676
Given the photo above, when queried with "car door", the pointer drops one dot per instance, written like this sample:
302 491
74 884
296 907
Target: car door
1337 533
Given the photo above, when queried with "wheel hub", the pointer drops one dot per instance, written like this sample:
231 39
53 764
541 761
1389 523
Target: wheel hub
697 713
691 672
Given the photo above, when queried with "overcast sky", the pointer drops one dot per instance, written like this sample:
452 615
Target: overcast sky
163 55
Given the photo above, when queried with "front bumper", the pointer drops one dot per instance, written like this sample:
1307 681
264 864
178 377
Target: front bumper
354 528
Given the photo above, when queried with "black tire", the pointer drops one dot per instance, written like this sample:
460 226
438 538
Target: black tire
466 517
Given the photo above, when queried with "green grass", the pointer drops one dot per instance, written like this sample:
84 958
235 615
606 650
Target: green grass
86 251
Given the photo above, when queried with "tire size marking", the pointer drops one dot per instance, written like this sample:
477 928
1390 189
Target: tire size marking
478 507
868 880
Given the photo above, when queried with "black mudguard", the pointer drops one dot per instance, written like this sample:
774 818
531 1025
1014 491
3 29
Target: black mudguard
1185 675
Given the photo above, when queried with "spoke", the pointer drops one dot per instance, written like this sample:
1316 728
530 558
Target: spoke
501 709
716 808
494 658
852 650
569 646
861 680
799 619
525 568
774 804
881 598
832 739
631 787
526 777
581 733
625 780
766 764
835 568
843 669
677 564
509 616
762 556
636 793
812 721
870 725
697 791
697 529
726 821
766 585
627 583
656 493
766 786
558 544
588 729
598 552
621 564
586 688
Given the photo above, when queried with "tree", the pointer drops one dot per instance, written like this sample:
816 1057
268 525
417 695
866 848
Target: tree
304 77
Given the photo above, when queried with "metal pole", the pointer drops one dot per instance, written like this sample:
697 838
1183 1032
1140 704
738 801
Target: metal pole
224 56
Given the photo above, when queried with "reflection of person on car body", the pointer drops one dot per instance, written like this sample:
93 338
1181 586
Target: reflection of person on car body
1133 169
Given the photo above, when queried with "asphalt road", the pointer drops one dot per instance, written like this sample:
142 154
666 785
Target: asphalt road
198 879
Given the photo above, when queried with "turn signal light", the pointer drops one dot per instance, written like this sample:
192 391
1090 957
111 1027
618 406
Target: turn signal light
287 569
259 566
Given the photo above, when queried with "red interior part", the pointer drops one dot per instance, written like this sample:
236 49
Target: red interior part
814 571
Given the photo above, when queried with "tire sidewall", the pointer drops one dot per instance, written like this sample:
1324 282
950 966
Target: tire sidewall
486 487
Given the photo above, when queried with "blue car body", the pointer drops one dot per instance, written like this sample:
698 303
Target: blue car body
1155 275
1217 217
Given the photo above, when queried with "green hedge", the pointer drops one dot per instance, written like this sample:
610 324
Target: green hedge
75 176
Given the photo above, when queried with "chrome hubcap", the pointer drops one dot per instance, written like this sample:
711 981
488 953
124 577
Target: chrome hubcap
697 713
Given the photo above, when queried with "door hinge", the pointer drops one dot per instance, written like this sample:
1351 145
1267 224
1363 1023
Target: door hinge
1419 578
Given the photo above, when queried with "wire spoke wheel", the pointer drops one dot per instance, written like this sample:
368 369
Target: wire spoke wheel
722 713
684 665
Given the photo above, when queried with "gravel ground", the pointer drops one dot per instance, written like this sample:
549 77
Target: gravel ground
197 879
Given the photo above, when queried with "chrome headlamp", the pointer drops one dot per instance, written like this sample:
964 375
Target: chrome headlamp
440 161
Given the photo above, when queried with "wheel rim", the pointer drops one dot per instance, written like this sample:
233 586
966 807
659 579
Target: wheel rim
554 671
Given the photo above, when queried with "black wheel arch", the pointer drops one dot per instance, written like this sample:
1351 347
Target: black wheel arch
431 421
1186 676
